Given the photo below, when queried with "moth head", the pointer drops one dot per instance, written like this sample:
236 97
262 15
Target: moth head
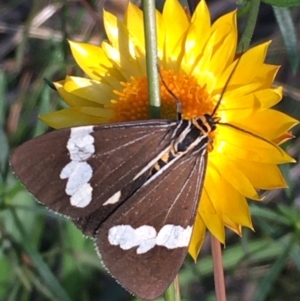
211 121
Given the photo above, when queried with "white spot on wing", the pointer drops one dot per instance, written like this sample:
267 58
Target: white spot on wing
126 237
113 199
146 237
82 197
78 172
81 143
172 236
81 174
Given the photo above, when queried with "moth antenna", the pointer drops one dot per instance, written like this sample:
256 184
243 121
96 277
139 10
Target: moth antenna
225 86
178 102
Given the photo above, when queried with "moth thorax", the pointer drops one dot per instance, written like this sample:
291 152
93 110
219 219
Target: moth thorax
205 123
188 140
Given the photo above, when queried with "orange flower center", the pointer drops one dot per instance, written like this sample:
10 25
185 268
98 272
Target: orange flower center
132 102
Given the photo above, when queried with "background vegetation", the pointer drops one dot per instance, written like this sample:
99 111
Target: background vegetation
42 255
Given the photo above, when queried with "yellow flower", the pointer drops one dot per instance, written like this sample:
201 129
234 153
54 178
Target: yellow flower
196 59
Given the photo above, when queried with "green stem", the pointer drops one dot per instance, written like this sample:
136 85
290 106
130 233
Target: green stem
151 57
250 26
170 293
154 90
173 291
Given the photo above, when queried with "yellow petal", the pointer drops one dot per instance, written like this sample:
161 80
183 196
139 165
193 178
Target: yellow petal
234 93
226 199
247 98
201 69
70 117
242 145
174 30
270 124
119 37
238 211
233 175
266 75
122 63
161 34
283 138
135 24
233 109
261 175
195 42
91 90
71 99
269 97
210 215
87 55
247 69
226 41
114 28
97 112
235 227
198 236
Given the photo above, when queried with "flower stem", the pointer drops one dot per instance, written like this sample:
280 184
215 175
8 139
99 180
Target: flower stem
173 291
218 269
177 288
154 93
250 26
151 57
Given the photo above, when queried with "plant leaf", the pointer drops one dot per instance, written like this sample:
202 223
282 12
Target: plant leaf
283 3
287 28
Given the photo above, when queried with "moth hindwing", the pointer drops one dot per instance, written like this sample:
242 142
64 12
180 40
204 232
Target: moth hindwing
134 187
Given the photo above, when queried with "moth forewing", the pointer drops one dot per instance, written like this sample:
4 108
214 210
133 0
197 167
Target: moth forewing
76 171
144 244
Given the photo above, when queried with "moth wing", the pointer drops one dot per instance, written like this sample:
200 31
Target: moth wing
152 227
106 158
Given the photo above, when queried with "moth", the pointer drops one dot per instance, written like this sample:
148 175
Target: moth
134 187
